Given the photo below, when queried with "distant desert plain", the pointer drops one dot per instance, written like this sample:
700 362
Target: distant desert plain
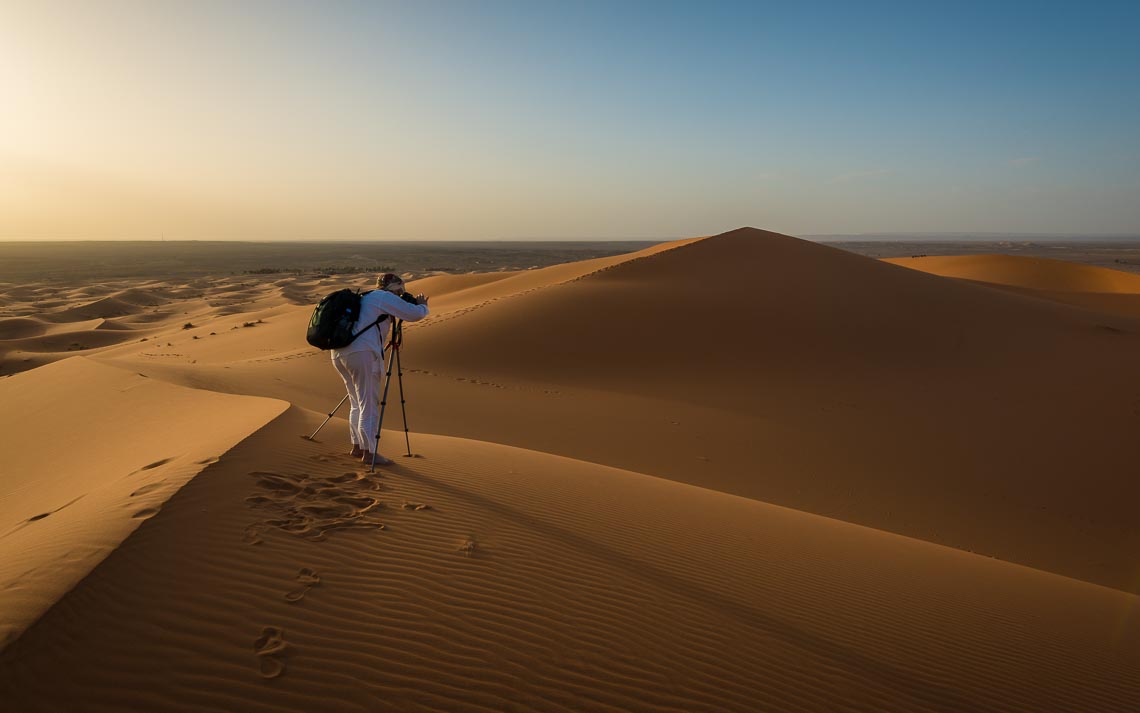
745 472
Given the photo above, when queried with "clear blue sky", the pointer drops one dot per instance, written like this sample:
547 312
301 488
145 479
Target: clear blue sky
572 119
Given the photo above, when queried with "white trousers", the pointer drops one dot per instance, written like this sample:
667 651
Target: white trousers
362 372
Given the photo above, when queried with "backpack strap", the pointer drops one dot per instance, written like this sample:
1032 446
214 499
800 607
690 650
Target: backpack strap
379 319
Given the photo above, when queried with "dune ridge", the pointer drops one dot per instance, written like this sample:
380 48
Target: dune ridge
93 451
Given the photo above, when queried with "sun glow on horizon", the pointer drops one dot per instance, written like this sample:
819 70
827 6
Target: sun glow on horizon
453 121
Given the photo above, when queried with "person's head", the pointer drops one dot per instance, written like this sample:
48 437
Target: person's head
391 282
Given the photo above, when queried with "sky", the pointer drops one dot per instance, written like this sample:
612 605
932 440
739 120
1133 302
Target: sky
564 120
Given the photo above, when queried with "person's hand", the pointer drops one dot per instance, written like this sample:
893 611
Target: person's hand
421 300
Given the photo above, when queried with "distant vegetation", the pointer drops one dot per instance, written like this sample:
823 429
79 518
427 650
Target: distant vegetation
336 270
273 271
353 269
105 260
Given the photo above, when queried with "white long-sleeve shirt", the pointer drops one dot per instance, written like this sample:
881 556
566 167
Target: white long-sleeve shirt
372 305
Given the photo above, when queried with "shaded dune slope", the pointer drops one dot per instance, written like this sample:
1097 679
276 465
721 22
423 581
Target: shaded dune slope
532 582
90 452
21 327
749 301
880 395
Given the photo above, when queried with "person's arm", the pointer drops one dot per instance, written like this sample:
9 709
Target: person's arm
398 308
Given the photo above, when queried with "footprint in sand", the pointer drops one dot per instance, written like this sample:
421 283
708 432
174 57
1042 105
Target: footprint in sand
309 505
308 578
148 488
252 535
275 482
468 546
269 647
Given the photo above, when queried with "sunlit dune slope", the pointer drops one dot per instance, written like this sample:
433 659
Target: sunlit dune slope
89 452
1035 273
454 295
505 579
1085 286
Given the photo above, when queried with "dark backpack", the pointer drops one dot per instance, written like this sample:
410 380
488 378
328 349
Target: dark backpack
334 318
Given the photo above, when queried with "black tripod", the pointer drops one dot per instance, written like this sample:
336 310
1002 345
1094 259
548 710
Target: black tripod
394 345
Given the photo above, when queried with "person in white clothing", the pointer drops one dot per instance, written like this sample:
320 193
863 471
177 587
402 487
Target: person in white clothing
361 364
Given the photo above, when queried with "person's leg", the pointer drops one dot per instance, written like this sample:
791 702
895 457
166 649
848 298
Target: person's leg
353 406
370 406
362 368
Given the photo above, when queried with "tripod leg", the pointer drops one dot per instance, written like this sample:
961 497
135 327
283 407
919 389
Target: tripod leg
383 407
330 415
403 409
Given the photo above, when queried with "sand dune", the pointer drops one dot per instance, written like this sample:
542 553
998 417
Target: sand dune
90 452
762 301
633 554
460 294
1034 273
1095 288
825 381
804 376
20 328
102 307
508 579
79 340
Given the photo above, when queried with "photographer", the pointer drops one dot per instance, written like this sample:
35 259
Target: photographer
361 363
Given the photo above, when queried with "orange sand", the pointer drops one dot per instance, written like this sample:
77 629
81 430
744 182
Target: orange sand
612 538
1096 288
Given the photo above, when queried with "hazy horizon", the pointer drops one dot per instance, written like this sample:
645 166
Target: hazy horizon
511 121
905 235
899 236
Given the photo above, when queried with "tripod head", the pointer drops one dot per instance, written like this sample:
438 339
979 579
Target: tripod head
397 338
